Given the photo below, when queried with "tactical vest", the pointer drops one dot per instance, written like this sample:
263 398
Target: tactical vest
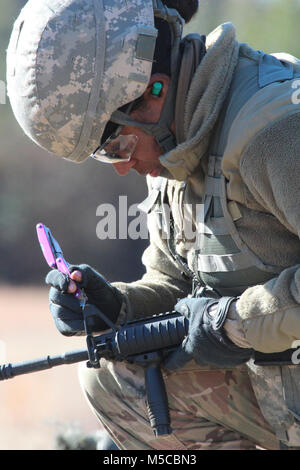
219 259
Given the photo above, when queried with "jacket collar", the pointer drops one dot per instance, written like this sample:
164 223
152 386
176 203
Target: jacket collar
208 90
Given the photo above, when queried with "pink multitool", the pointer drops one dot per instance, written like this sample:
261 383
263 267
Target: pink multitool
54 256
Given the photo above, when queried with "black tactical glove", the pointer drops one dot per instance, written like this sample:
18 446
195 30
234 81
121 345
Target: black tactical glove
206 343
66 310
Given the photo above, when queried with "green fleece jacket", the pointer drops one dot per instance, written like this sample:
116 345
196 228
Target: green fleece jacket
264 183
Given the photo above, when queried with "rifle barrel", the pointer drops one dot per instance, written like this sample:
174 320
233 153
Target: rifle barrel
8 371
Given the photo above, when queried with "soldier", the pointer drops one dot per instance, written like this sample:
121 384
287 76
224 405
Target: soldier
212 123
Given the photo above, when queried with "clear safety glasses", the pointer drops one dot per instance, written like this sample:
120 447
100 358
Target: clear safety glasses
116 148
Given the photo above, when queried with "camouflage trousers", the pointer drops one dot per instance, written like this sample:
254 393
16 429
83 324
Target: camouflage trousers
210 409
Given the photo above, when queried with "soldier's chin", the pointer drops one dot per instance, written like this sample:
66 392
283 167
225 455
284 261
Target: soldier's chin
156 172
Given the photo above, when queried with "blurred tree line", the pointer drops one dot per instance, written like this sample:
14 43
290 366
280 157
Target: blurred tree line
35 186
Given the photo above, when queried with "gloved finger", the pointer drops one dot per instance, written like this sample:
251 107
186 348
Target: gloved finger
68 301
58 280
182 307
177 359
91 279
191 305
68 323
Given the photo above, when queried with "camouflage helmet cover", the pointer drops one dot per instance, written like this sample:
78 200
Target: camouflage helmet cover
72 63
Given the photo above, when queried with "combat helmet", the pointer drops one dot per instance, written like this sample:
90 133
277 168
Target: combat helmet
72 65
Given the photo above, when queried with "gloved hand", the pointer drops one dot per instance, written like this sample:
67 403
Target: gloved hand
65 308
206 343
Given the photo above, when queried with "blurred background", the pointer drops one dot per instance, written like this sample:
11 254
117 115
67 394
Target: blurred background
34 187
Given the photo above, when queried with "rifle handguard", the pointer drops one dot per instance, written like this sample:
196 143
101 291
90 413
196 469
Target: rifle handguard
142 342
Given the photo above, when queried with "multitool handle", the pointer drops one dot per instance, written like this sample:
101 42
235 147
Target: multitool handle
53 255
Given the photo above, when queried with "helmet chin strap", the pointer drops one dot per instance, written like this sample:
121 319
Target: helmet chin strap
161 130
162 133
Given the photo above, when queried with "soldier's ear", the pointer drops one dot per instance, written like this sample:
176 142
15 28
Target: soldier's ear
186 8
158 86
157 89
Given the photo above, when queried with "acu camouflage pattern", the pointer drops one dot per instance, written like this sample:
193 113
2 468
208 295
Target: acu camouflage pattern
211 409
277 390
71 64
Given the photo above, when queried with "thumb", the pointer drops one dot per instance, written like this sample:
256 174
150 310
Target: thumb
183 307
96 319
178 358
